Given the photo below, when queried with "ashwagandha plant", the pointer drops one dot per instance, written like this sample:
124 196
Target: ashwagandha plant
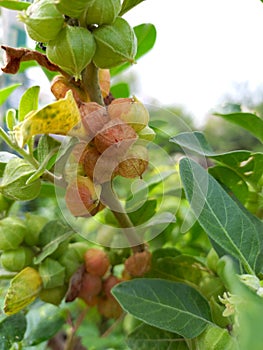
107 240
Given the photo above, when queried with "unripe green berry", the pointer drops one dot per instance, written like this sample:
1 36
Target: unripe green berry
72 50
80 249
53 295
212 260
102 11
211 286
5 203
71 9
12 233
70 260
147 134
34 224
115 44
16 259
43 20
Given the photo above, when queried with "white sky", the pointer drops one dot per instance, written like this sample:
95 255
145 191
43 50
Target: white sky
203 49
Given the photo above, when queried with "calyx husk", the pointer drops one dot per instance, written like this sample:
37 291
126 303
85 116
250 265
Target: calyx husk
12 233
115 44
102 11
73 9
131 111
17 259
43 21
72 50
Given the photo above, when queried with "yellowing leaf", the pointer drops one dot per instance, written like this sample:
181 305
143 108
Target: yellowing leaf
23 290
59 117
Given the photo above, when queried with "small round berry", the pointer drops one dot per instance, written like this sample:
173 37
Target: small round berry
96 262
138 264
109 283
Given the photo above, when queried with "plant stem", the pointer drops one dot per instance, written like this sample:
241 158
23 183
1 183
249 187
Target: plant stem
91 83
47 175
118 211
90 78
18 149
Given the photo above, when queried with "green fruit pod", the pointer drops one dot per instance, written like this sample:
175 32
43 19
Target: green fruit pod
52 273
71 261
53 295
102 11
34 224
12 233
80 249
5 203
147 134
115 44
43 20
73 9
72 50
16 259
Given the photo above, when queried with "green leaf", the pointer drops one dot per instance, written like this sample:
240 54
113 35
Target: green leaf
146 337
144 188
14 182
220 216
232 180
146 37
12 330
52 235
28 102
248 121
43 323
47 190
47 155
10 118
250 320
120 90
144 213
167 305
52 273
193 141
245 166
215 338
46 165
181 268
46 144
23 290
164 253
127 5
6 92
59 117
155 225
248 308
5 157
